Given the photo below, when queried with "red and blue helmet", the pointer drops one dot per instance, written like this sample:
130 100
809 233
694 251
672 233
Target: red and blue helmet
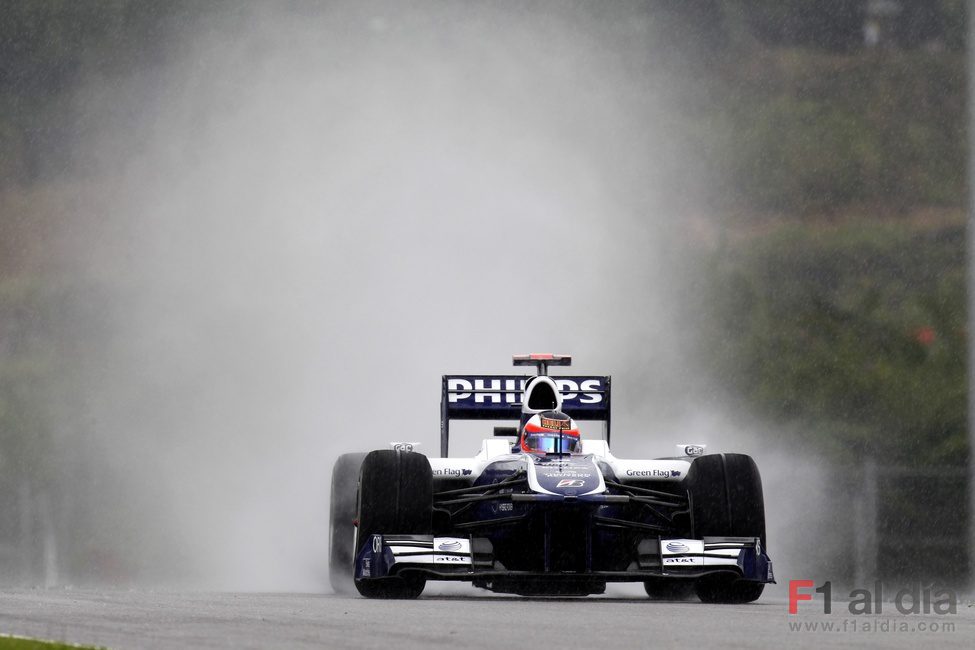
551 432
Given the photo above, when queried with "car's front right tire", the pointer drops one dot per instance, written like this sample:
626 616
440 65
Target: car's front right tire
727 498
727 588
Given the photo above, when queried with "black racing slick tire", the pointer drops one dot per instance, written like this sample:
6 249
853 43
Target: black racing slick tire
727 501
669 589
395 497
727 588
726 496
341 548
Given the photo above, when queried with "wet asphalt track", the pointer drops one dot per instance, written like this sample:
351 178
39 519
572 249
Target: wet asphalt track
146 619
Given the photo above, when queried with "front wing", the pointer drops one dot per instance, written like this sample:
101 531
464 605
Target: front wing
472 559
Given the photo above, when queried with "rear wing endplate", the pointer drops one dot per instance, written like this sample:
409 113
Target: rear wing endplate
498 397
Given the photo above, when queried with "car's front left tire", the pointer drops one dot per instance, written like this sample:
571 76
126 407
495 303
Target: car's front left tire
669 589
395 497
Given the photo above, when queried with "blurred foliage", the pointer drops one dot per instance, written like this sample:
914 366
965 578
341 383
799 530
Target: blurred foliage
790 112
826 24
839 25
49 47
29 369
852 335
810 132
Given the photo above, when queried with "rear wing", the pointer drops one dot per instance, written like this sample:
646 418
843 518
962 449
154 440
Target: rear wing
498 397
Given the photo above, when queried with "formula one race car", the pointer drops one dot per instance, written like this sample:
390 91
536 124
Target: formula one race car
539 511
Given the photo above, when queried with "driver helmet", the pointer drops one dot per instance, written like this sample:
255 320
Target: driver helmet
551 432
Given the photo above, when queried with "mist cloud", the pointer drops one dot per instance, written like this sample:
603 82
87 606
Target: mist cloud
312 214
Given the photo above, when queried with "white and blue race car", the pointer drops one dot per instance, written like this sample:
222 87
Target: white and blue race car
542 511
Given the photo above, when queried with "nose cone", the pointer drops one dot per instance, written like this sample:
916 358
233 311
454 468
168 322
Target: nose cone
568 475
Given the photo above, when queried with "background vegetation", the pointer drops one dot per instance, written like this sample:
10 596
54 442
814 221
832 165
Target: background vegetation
854 331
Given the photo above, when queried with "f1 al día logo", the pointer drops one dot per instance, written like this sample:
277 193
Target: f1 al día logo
911 599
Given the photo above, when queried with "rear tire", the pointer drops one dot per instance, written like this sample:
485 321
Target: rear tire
726 492
395 497
341 548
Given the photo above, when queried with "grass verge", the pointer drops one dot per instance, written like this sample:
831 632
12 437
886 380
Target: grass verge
20 643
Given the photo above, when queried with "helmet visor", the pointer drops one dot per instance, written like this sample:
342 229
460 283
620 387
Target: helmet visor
549 443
